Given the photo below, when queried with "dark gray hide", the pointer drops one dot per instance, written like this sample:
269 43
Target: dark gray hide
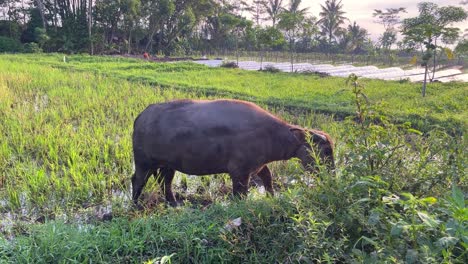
220 136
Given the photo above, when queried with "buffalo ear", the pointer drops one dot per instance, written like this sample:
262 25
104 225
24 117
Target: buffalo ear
319 138
299 134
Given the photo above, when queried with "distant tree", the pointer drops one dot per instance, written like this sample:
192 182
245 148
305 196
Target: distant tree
131 14
308 33
462 47
430 28
257 10
158 12
14 11
269 38
11 29
389 19
225 28
41 9
355 38
72 15
90 26
273 8
331 19
465 35
40 36
290 21
35 21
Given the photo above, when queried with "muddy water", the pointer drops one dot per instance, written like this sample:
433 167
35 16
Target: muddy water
11 221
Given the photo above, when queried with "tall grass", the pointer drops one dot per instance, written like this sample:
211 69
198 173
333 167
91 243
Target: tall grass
445 104
67 135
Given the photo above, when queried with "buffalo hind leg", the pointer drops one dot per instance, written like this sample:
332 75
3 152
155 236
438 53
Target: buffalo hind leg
139 179
165 181
265 174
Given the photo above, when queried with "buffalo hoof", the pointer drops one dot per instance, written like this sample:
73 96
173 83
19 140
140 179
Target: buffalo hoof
174 203
138 207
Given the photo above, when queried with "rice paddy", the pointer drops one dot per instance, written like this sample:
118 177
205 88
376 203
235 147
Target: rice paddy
66 162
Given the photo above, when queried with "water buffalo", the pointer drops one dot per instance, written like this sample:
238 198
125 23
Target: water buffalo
201 137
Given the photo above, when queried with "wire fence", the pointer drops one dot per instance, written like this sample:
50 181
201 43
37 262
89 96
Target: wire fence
383 60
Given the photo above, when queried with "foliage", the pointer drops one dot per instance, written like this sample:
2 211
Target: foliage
9 45
354 38
271 68
270 38
10 29
331 19
229 64
34 22
273 8
431 26
290 21
389 19
462 47
32 47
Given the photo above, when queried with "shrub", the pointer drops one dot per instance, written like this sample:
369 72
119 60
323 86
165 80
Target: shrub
9 45
320 74
229 64
270 68
32 47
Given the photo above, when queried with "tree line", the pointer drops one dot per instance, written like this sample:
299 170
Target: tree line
182 27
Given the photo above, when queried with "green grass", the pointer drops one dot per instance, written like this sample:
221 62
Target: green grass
445 104
66 162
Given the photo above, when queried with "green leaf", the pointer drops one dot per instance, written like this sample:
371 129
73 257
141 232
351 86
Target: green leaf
374 218
429 200
369 240
449 53
411 256
428 220
392 199
414 131
458 196
446 242
408 196
397 229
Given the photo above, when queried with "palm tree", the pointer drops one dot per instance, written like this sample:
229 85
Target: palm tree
273 8
331 17
293 8
290 21
357 36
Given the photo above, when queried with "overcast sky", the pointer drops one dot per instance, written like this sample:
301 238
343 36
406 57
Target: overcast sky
361 10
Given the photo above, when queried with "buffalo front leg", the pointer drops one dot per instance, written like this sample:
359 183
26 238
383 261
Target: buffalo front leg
240 183
139 179
265 175
165 180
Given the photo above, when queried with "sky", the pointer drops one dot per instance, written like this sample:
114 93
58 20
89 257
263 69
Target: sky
361 11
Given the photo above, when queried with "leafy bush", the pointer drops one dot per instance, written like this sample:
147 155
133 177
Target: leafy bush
9 45
405 158
318 73
382 204
32 47
270 68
